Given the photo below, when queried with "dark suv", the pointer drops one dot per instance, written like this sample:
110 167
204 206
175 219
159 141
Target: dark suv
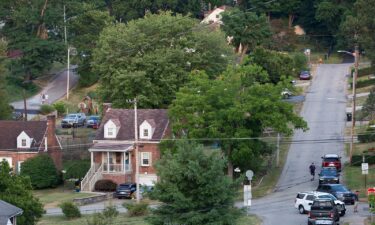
339 191
126 190
329 175
323 211
331 160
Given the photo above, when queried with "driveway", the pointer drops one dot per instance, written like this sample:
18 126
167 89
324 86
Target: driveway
324 111
55 90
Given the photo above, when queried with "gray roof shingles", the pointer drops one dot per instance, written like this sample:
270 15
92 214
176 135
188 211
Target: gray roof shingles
9 131
7 211
126 119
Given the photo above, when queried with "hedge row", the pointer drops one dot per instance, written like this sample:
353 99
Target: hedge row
357 159
365 71
365 83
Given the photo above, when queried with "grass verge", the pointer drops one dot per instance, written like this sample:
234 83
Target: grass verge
51 198
124 219
356 181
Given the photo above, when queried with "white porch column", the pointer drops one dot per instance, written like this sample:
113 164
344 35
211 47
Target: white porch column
107 162
92 159
123 161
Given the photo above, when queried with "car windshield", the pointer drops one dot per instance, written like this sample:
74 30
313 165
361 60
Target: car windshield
328 196
331 159
329 172
71 116
124 185
339 188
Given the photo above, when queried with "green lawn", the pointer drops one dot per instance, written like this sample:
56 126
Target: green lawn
53 197
124 219
356 181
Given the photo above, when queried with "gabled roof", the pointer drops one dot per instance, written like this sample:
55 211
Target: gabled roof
7 211
9 131
126 119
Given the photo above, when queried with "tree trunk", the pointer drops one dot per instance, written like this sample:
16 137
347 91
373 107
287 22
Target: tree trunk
230 164
243 53
290 20
42 31
269 16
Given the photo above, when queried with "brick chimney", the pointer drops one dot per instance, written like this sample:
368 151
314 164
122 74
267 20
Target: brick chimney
53 147
106 107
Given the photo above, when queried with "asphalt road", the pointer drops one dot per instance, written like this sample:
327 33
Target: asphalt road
55 89
324 111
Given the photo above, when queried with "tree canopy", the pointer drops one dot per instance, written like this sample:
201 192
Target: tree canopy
248 29
5 110
240 104
193 188
17 190
151 58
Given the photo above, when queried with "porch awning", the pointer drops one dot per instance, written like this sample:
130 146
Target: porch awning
110 147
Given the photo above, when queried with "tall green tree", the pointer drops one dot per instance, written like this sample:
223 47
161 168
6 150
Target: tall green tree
290 7
238 105
151 58
34 27
17 190
84 30
369 106
247 29
194 189
5 110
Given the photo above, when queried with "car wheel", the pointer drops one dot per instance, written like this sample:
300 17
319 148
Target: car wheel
301 209
342 213
353 202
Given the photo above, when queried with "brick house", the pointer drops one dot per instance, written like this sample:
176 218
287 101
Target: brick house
113 151
21 140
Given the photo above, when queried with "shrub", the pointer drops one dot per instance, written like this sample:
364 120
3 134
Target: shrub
60 107
46 109
42 171
365 83
136 209
357 159
365 71
110 212
367 136
105 185
70 210
76 168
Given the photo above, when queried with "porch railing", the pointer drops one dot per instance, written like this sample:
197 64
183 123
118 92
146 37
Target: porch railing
116 168
88 176
97 176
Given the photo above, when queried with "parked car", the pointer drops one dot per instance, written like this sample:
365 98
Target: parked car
305 75
17 115
126 190
339 191
93 121
73 120
329 175
304 201
323 211
332 160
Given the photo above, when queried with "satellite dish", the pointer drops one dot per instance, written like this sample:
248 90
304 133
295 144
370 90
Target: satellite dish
249 174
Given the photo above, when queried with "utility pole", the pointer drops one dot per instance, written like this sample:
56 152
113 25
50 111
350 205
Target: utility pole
65 36
68 75
24 105
354 82
136 149
278 150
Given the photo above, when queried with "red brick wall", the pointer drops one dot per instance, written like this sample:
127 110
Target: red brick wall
17 156
119 178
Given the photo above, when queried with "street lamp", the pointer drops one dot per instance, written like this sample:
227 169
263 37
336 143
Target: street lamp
71 51
134 101
355 75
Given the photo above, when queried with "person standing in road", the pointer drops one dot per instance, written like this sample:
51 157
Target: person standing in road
312 171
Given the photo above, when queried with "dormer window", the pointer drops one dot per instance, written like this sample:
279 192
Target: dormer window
110 131
23 140
147 129
111 128
145 132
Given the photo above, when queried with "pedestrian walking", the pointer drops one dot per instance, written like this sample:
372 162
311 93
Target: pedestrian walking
312 171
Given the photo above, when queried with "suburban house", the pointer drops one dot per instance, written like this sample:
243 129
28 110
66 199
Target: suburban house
21 140
113 151
9 213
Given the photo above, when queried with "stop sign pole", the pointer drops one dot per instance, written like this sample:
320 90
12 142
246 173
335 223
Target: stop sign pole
247 191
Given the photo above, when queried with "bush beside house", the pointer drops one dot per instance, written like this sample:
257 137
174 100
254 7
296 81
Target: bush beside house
105 185
70 210
42 171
